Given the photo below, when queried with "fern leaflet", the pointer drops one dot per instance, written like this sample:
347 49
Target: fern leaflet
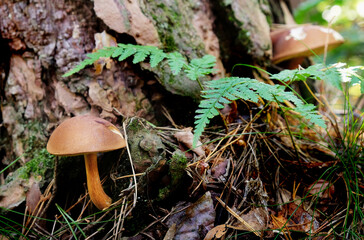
225 90
91 58
156 56
200 67
197 68
176 62
127 52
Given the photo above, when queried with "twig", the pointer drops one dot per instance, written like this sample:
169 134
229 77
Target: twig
251 229
132 169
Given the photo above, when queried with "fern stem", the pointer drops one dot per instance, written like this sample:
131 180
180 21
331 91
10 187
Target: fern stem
313 95
199 83
290 134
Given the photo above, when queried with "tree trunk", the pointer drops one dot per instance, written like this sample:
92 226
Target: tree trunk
41 40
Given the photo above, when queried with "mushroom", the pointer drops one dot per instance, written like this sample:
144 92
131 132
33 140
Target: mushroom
296 43
87 135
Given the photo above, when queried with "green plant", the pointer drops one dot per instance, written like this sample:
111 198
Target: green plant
41 164
70 222
347 146
195 69
217 92
349 151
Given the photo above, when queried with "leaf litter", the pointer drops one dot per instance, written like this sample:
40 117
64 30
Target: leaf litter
242 181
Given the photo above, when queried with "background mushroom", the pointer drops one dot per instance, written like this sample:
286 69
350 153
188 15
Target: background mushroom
296 43
87 135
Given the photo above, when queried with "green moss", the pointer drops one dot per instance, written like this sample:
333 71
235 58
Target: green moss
244 39
174 25
145 144
169 43
177 165
134 126
41 163
163 193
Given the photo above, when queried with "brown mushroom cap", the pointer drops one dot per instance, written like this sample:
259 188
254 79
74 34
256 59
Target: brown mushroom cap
84 134
301 40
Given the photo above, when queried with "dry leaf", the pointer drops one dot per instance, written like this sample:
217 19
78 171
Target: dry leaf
257 218
13 193
170 233
216 232
99 97
71 102
219 170
186 137
33 196
23 78
283 196
322 189
103 40
299 219
279 222
196 219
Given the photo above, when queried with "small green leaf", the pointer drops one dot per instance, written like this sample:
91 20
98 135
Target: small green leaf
225 90
141 54
200 67
130 50
333 76
118 51
156 56
176 62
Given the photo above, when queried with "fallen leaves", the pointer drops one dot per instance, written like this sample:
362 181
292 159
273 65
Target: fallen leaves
294 218
98 96
103 40
33 197
195 219
186 137
71 102
322 189
244 224
217 232
13 193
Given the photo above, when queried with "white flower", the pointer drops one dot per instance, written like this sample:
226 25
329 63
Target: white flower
347 73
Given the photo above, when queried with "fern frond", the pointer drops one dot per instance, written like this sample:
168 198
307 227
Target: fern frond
118 51
225 90
308 111
314 71
176 61
218 93
156 56
128 50
140 53
199 67
91 58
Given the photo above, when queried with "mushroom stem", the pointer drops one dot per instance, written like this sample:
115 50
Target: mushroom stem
97 194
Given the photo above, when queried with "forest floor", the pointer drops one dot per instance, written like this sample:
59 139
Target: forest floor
251 178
